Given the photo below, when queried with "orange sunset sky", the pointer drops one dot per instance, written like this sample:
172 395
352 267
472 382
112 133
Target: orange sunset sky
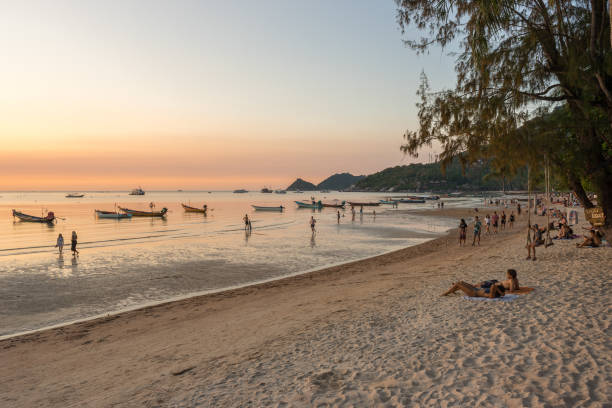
203 95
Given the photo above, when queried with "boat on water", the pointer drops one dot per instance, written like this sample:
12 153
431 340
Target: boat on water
312 204
266 190
189 208
280 192
432 197
240 191
137 213
137 191
112 215
335 205
392 202
32 218
364 204
75 195
298 192
412 200
265 208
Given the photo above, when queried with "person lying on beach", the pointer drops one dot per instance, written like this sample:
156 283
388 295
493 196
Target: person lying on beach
488 289
593 240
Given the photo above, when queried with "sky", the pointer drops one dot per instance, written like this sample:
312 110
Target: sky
204 95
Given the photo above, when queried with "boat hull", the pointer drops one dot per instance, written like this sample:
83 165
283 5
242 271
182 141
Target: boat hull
190 209
309 205
356 204
261 208
136 213
112 215
410 201
32 218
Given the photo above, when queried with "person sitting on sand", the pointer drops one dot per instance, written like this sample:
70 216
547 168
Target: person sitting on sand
594 240
487 289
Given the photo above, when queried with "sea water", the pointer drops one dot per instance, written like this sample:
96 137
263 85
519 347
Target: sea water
128 263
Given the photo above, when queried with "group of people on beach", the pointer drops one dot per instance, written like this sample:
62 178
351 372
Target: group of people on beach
492 225
59 244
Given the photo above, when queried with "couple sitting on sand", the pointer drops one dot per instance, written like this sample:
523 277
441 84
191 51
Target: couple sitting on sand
488 289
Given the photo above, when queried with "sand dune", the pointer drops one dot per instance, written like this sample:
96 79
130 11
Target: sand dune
370 333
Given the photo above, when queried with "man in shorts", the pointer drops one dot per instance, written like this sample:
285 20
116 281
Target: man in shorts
477 227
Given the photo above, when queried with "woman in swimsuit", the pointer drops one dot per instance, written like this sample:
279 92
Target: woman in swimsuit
494 289
462 232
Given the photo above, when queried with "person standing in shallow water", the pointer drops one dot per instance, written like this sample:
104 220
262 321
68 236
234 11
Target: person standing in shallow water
338 216
60 243
73 244
312 224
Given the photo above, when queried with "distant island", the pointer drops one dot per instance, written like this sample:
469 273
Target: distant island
421 177
340 181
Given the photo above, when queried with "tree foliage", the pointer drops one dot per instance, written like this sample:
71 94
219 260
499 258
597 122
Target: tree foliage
534 82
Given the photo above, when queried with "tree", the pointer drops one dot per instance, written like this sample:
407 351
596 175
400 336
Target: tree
519 61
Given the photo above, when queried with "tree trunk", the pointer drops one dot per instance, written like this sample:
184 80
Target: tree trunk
576 186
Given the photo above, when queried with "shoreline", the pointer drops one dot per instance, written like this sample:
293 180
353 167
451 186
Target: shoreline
323 270
371 332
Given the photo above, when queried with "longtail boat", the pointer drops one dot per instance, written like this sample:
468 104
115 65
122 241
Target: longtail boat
32 218
112 214
137 213
189 208
412 200
75 195
335 205
264 208
357 204
313 204
392 202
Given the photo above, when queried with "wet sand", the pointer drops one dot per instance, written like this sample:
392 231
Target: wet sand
372 332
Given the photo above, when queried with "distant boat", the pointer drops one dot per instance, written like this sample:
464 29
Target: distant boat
280 192
324 191
112 214
137 191
137 213
75 195
264 208
298 192
32 218
189 208
412 200
335 205
392 202
368 204
313 204
266 190
240 191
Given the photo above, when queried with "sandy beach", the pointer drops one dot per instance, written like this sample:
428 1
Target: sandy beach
368 333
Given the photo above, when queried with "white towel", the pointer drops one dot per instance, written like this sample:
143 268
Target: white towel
506 298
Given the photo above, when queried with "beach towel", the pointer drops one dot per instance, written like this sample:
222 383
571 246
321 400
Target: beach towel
506 298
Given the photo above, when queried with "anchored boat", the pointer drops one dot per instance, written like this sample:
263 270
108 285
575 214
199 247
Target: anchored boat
335 205
32 218
313 204
358 204
112 215
75 195
264 208
189 208
137 213
137 191
412 200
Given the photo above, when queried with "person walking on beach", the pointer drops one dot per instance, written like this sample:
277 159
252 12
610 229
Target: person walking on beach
511 220
73 244
60 243
518 209
462 232
477 226
503 220
487 224
495 220
312 224
338 216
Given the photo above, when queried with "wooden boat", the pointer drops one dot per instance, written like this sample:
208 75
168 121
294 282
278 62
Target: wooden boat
412 200
32 218
313 204
266 190
358 204
241 191
264 208
392 202
137 191
137 213
189 208
75 195
335 205
112 214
